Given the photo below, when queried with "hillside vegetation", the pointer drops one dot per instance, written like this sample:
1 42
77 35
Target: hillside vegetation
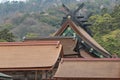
36 18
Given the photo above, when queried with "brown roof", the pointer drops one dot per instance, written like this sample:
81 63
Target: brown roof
29 56
89 68
68 43
84 36
86 54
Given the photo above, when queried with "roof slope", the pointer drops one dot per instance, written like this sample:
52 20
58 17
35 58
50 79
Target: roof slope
84 36
89 68
29 56
68 43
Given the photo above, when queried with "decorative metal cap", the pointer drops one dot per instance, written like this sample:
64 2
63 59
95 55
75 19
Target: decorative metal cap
91 50
69 17
82 41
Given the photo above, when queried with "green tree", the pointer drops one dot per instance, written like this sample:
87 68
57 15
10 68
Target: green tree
112 42
7 36
116 15
102 24
106 31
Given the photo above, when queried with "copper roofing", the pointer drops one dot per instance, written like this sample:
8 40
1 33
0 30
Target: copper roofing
88 68
67 42
85 54
84 36
68 45
29 56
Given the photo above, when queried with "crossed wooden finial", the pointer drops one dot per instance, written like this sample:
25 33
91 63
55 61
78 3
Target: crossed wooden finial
79 20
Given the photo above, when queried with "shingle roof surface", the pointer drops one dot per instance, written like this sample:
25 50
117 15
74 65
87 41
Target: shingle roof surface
29 55
89 68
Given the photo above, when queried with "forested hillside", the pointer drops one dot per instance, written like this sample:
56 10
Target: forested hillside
35 18
106 29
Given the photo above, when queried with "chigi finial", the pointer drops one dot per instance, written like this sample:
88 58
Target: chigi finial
78 19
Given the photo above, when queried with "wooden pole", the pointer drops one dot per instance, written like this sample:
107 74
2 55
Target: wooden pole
46 74
43 74
25 75
36 75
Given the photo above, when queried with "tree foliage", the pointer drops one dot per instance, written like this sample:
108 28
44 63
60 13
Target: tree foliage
102 24
106 30
111 42
6 36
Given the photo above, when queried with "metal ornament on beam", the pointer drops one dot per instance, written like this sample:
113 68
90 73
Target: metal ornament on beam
69 17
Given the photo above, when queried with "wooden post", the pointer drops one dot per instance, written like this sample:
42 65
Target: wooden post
25 75
43 74
36 75
39 75
46 74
